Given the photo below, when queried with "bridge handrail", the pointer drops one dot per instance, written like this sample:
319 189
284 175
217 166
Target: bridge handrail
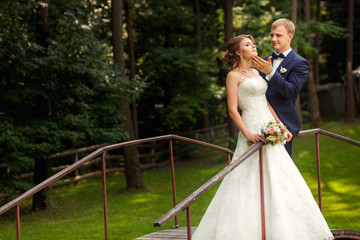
206 186
329 134
214 180
95 154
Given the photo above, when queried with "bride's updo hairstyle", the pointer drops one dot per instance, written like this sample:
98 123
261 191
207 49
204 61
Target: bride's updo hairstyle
230 57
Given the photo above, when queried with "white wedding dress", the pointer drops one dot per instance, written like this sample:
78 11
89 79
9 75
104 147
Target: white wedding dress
291 211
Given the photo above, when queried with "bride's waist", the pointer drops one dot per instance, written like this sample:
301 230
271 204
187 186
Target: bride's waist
254 120
256 114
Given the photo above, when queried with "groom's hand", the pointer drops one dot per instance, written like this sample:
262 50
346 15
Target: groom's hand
262 65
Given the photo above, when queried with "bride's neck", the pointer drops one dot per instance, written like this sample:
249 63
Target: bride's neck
245 65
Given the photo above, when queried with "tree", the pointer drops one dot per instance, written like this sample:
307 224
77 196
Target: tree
197 23
176 72
294 19
228 5
206 121
317 44
72 75
312 94
132 163
41 162
132 62
350 108
334 68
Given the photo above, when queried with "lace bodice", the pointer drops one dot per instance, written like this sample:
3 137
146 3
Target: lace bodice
253 104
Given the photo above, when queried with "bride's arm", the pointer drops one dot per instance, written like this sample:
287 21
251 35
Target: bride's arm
232 82
277 119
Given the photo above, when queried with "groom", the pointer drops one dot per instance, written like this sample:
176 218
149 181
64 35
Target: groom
286 73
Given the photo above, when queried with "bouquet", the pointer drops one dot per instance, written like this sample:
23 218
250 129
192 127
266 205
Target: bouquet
273 132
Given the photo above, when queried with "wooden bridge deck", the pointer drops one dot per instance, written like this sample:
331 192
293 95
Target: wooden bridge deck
174 233
180 233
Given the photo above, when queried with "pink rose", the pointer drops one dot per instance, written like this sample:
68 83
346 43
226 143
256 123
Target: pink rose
271 131
278 138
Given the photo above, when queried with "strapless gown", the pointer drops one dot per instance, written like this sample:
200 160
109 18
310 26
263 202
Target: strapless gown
291 211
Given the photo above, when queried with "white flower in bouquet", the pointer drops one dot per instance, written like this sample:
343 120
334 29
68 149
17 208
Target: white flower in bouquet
264 129
273 132
277 130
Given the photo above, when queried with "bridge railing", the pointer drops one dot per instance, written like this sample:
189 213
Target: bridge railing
102 153
186 203
149 156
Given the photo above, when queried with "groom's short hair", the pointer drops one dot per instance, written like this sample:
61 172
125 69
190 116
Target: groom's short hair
287 23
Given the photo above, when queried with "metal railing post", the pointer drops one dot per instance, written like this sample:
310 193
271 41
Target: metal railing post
262 201
18 235
103 170
188 220
173 178
318 169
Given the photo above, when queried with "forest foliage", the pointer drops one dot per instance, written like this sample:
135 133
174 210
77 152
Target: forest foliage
63 92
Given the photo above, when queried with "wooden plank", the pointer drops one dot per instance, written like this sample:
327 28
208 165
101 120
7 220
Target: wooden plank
174 233
180 233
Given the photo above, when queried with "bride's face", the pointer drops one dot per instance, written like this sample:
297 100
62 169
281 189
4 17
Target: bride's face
247 48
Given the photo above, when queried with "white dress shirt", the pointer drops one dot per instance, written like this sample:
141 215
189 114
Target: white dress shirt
276 64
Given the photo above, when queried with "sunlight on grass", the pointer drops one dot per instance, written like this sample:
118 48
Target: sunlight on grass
304 154
343 187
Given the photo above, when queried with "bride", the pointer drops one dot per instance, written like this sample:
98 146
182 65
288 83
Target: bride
234 213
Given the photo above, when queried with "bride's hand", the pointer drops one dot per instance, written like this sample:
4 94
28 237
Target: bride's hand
289 135
255 137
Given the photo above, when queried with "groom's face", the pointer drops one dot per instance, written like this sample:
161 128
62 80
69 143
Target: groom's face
280 39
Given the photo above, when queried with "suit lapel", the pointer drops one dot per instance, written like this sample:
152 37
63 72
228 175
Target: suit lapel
286 60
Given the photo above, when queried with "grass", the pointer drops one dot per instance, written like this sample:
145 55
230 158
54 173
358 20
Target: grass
340 168
76 211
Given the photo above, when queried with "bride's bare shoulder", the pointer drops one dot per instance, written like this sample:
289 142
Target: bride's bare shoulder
234 76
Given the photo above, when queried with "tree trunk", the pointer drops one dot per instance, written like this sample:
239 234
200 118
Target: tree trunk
317 44
132 163
41 163
117 41
206 121
294 11
197 23
294 20
313 99
228 4
130 39
40 175
350 107
41 22
307 10
132 64
316 120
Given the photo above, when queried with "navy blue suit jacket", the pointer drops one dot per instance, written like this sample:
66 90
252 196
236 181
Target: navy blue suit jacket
283 89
